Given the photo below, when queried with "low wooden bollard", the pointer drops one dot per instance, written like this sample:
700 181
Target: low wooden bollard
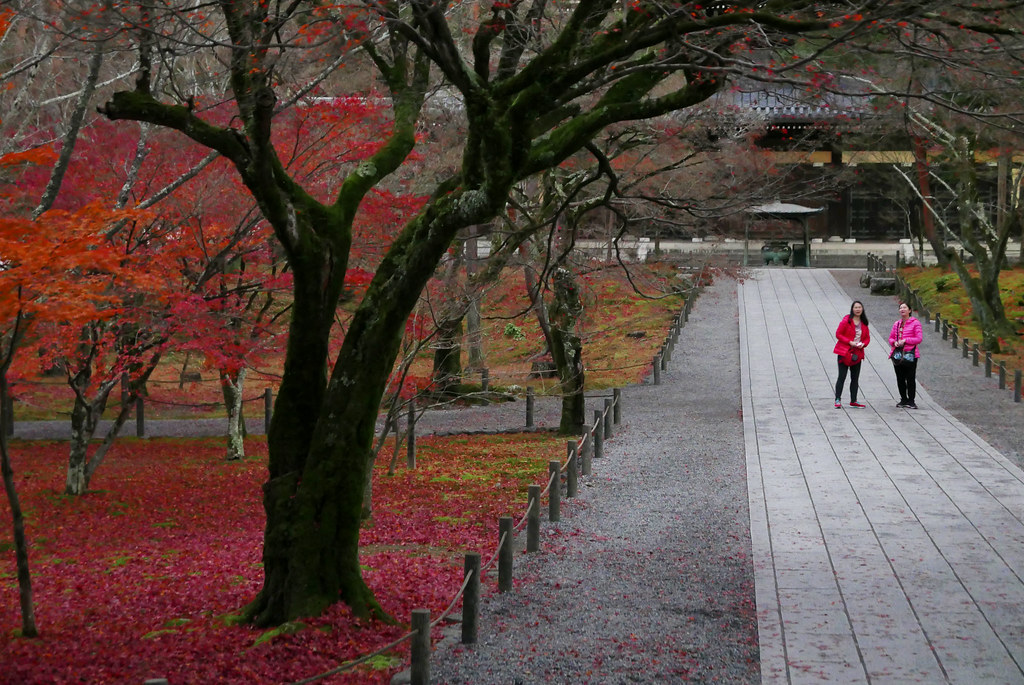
529 407
598 433
268 408
609 431
988 364
945 330
505 534
938 321
666 356
1002 375
471 597
140 418
657 370
410 441
572 484
586 453
419 669
952 336
533 518
1016 385
964 348
555 491
616 406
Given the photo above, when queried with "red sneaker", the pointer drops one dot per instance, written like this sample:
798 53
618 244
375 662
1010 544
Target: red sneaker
857 404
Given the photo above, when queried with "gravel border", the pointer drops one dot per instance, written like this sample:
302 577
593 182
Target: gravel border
648 576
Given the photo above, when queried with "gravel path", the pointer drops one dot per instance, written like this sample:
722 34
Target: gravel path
647 577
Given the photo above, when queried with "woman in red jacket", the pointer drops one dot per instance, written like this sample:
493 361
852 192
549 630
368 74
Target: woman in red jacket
852 336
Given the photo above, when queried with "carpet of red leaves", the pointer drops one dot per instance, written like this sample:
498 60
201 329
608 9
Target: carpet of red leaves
138 578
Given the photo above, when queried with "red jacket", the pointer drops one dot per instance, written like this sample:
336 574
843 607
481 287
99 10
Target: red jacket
845 333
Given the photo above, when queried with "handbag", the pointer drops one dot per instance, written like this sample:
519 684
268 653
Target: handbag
901 358
852 357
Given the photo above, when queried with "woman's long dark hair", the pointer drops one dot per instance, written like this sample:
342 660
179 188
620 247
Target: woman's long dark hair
863 312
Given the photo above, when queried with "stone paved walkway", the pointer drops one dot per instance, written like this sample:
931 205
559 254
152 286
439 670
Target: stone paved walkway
888 543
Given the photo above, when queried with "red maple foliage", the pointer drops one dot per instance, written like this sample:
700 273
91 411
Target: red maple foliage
139 578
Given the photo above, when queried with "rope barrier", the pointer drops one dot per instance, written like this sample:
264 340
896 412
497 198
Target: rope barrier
600 425
352 664
495 557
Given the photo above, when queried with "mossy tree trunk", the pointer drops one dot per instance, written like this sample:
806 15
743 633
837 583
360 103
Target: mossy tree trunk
567 350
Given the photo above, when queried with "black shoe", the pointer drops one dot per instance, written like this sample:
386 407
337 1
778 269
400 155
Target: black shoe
901 403
910 405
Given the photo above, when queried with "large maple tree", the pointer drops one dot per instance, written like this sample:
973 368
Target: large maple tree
534 82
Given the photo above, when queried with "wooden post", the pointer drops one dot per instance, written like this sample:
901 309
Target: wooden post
471 597
988 364
587 453
938 321
140 418
616 406
529 407
555 491
572 472
608 430
945 330
1002 375
268 408
964 345
506 533
533 518
953 337
420 667
657 369
598 433
974 354
666 355
410 441
1016 385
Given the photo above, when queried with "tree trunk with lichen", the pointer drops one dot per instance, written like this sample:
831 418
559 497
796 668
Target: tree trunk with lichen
231 383
567 350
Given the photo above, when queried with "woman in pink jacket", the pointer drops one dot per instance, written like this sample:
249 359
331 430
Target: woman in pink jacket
906 335
852 336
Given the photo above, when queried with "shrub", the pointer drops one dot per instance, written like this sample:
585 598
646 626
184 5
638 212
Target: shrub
513 331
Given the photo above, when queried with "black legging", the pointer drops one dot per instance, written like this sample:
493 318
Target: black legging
854 375
906 381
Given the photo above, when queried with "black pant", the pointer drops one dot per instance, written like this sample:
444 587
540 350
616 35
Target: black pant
854 375
906 381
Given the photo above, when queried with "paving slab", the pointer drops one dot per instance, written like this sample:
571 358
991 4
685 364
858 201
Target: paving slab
887 542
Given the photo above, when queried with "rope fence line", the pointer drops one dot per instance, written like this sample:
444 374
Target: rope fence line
580 452
949 330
